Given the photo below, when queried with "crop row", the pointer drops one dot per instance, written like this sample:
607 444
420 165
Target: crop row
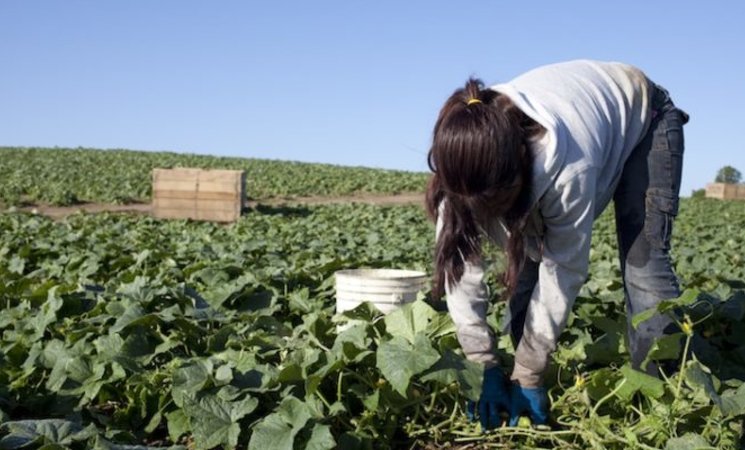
119 331
68 176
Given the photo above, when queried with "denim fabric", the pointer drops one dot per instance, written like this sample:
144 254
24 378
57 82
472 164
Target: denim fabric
520 299
646 203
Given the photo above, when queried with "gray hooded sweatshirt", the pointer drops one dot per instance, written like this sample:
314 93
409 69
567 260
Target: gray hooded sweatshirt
594 114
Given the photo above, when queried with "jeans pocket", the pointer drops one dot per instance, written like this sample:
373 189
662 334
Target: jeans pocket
665 159
661 209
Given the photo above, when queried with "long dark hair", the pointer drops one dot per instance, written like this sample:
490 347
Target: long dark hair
482 170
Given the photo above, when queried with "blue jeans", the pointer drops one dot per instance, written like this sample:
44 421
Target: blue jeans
646 203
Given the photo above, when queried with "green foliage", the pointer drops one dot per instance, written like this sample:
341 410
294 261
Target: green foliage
728 174
698 193
63 176
127 332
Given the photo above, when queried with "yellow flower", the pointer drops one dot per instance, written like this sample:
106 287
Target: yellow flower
687 326
579 381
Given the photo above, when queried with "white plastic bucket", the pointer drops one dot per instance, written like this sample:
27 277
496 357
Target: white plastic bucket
387 289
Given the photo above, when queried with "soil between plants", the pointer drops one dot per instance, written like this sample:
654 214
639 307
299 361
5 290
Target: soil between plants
60 212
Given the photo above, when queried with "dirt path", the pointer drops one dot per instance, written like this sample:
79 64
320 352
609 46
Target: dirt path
372 199
59 212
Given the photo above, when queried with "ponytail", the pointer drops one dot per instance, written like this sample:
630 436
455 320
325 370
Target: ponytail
482 171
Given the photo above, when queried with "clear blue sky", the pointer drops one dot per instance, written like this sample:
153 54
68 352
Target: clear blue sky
345 82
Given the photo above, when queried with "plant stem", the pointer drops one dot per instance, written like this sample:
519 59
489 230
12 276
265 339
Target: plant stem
611 394
423 398
338 385
683 367
317 342
360 378
432 402
323 399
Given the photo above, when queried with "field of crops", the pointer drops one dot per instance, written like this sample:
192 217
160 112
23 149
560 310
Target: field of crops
120 331
69 176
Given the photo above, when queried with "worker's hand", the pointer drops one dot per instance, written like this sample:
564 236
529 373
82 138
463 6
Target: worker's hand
494 399
532 402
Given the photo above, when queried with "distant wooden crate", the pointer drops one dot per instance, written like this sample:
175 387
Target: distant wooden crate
726 191
199 194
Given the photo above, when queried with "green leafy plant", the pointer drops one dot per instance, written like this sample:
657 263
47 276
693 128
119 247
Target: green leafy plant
124 332
62 176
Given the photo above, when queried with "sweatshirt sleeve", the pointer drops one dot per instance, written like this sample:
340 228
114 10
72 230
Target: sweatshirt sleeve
568 214
468 303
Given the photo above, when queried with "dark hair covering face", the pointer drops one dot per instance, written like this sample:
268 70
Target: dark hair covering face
482 170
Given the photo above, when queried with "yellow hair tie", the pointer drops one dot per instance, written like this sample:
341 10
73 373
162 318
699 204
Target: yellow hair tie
473 101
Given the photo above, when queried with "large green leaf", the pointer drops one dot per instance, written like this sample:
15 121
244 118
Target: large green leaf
294 412
214 422
687 298
278 430
699 376
602 382
452 368
399 360
732 402
410 319
352 344
635 381
321 438
666 347
71 368
22 433
689 441
16 265
272 432
48 315
103 444
223 291
190 378
178 424
131 313
140 290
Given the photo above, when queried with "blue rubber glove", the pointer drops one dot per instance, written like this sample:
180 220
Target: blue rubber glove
494 398
530 401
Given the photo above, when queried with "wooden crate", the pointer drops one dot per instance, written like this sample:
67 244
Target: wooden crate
199 194
726 191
